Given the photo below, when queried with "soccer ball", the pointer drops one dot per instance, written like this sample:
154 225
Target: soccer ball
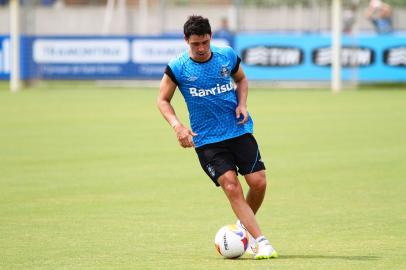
231 241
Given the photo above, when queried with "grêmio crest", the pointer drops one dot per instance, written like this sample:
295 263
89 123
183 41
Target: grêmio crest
225 72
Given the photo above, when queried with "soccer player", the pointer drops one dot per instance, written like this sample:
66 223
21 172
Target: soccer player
215 90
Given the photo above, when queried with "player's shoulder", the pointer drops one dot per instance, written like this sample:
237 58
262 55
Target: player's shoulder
224 52
221 49
179 60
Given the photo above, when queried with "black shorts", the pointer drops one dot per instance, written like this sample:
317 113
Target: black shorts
240 154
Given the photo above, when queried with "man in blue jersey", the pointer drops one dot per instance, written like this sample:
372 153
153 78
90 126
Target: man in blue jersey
215 90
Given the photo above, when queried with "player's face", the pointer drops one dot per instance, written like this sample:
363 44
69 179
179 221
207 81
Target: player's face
199 47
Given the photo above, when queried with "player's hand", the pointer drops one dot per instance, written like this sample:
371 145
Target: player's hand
185 136
241 112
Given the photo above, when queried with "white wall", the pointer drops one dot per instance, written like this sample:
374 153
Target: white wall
90 20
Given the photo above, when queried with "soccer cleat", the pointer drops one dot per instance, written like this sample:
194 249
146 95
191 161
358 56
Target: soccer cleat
265 250
252 245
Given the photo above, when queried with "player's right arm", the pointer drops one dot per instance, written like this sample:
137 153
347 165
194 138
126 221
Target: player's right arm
166 90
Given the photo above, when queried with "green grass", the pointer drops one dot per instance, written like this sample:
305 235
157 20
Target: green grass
93 178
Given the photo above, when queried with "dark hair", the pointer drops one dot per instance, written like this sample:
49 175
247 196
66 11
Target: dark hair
196 25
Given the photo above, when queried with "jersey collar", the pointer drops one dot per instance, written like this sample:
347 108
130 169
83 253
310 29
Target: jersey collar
211 56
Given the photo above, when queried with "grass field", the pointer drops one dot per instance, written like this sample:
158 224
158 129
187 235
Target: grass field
93 178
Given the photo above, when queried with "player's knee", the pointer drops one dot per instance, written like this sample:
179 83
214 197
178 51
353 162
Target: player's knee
259 184
231 187
257 180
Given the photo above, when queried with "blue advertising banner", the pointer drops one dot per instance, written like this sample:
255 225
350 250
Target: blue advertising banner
78 57
5 60
264 56
308 57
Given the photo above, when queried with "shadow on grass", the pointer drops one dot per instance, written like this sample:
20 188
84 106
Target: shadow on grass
348 258
322 257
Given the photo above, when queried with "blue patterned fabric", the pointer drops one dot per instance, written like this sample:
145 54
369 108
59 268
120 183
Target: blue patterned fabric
209 93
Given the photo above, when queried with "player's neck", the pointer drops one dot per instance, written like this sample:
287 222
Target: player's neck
201 60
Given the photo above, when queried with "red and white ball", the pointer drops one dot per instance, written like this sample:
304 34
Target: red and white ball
231 241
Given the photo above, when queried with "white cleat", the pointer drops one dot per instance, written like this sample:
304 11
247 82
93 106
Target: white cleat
265 250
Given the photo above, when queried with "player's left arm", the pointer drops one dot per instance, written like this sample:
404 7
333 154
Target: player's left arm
241 82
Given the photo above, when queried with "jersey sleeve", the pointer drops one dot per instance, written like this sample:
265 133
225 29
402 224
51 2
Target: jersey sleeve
234 58
169 72
173 70
236 66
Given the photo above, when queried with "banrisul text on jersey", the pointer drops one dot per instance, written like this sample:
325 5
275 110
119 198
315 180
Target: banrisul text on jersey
218 89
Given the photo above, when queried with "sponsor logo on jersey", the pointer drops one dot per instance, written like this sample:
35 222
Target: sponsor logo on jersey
192 78
218 89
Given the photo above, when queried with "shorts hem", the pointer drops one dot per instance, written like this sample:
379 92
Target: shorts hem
216 182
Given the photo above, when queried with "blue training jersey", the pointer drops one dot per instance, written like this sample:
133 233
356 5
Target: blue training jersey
210 95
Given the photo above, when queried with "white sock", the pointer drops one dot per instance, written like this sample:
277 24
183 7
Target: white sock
261 238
